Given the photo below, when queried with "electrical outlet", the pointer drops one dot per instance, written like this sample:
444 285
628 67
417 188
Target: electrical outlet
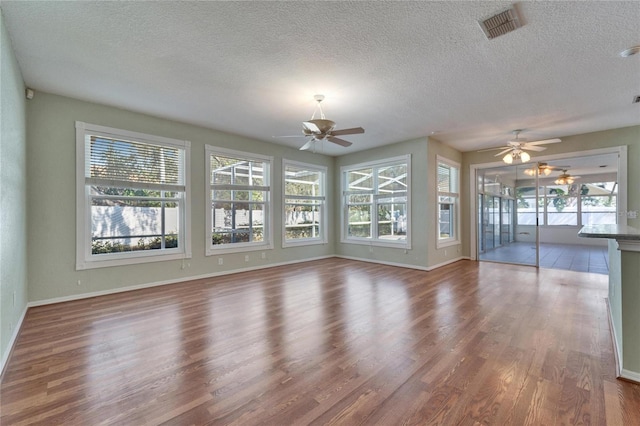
220 261
263 255
79 282
445 252
14 298
246 257
370 249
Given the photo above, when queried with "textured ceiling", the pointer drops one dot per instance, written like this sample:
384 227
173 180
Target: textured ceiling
401 70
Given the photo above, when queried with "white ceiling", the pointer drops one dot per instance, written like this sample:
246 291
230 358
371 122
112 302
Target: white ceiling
401 70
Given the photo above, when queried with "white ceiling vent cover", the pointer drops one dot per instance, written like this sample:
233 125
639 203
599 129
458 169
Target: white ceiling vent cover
502 23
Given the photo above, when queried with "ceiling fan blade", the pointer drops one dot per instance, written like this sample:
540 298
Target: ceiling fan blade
544 141
351 131
491 149
503 152
532 148
312 127
338 141
289 136
307 145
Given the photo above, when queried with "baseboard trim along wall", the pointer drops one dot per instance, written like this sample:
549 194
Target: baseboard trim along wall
621 373
630 375
404 265
12 341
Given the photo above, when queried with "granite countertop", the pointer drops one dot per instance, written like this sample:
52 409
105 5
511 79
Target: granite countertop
618 232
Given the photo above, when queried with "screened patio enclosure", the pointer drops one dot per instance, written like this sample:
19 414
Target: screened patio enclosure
531 213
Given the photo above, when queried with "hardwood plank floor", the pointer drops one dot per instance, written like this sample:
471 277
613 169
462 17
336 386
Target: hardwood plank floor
327 342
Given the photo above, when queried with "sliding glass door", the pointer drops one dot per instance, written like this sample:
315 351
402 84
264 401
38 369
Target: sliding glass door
507 219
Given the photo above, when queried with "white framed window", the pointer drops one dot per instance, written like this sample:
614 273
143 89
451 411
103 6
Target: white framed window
238 203
448 178
376 203
304 204
132 192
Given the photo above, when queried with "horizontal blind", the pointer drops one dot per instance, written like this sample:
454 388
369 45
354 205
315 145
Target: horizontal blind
447 179
137 164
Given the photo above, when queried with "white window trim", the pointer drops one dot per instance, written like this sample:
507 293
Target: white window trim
455 240
322 239
213 250
84 258
344 239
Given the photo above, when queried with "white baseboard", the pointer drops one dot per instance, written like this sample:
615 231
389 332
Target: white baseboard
159 283
12 341
630 375
621 373
448 262
403 265
614 337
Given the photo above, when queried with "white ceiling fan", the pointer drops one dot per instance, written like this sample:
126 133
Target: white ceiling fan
320 129
516 148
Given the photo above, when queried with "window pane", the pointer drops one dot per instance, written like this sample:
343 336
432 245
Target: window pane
446 218
360 179
392 179
562 210
237 222
599 210
359 224
227 170
392 221
299 181
133 225
302 220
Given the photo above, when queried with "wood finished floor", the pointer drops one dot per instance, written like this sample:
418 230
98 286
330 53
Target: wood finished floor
327 342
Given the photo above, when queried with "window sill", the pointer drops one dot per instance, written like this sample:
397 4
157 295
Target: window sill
129 260
403 245
447 243
303 242
238 248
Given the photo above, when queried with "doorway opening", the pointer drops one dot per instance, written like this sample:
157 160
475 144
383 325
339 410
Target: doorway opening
531 213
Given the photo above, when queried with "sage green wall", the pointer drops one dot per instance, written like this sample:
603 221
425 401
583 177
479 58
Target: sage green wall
630 268
629 136
52 210
13 200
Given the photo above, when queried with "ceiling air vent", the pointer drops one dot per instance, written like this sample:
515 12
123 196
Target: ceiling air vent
502 23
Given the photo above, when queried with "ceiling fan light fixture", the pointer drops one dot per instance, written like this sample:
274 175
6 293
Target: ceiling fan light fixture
524 157
565 179
508 158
